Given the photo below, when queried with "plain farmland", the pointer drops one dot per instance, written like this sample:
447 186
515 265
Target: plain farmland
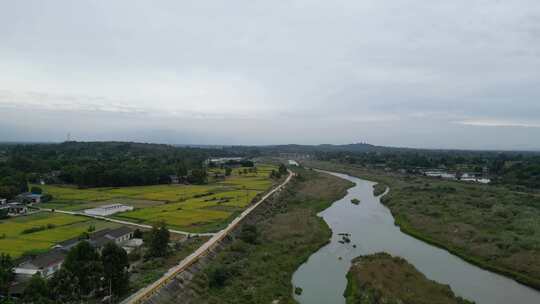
195 208
56 228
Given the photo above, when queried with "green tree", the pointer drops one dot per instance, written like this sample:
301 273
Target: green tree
64 287
6 273
115 265
282 169
36 292
249 234
198 176
159 240
84 263
228 171
36 190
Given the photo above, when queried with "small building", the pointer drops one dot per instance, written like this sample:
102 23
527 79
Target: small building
16 208
174 179
3 201
108 209
98 240
223 160
45 264
132 244
29 197
293 163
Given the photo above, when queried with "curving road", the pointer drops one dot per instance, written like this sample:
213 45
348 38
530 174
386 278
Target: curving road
148 291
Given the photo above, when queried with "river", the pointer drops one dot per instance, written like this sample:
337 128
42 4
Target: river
323 276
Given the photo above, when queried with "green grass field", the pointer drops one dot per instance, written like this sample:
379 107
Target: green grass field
14 242
195 208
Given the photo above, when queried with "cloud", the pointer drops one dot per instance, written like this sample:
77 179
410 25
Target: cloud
408 73
499 123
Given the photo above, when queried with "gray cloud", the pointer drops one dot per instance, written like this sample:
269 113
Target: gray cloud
419 73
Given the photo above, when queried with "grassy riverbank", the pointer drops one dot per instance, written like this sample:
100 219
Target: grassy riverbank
490 226
258 267
381 278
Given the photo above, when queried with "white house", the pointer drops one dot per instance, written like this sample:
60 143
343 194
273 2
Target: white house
108 209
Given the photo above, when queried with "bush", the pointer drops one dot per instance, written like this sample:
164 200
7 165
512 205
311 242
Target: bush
217 276
249 234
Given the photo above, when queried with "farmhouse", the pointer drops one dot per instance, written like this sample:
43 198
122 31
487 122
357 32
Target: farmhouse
108 209
29 197
223 160
45 264
99 239
17 208
174 179
293 163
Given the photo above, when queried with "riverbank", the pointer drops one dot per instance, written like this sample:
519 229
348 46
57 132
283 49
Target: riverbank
381 278
275 245
487 226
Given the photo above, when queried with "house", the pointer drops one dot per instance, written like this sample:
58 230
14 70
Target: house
119 236
3 201
222 160
174 179
45 264
293 163
108 209
29 197
17 208
132 244
99 239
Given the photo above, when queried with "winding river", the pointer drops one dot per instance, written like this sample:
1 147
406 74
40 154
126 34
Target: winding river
372 229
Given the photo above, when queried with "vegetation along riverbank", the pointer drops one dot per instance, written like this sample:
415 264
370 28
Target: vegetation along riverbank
490 226
275 246
381 278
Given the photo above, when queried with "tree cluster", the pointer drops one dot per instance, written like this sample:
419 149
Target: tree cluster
93 164
85 274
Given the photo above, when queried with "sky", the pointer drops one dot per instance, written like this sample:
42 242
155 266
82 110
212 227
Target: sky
412 73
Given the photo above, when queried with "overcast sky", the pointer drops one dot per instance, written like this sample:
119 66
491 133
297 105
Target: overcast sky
416 73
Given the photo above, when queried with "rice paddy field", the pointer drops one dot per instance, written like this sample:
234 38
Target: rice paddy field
194 208
14 240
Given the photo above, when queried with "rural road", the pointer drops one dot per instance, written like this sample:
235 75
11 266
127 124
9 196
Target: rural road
201 251
124 222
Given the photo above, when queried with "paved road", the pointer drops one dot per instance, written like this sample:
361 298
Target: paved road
125 222
205 248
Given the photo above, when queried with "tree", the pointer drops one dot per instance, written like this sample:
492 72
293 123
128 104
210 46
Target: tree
64 287
4 213
137 234
228 171
159 240
84 263
6 273
115 265
36 292
249 234
36 190
198 176
282 169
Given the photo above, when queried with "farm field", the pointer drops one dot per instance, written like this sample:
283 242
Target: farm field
61 227
194 208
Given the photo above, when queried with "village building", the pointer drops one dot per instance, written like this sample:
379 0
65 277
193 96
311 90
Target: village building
108 209
16 208
99 239
29 197
174 179
45 264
